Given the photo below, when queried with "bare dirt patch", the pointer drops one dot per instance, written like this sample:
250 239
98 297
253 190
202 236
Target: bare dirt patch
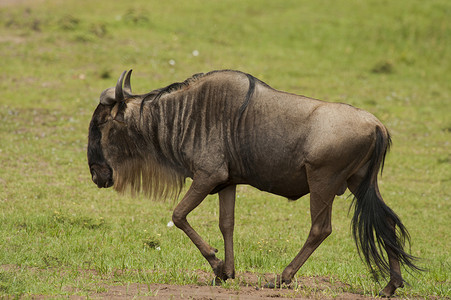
245 286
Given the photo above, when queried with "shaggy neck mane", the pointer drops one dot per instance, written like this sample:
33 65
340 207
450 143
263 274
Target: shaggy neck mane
146 173
156 94
154 179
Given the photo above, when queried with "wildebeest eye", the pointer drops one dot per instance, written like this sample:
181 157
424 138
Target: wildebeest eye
101 123
102 119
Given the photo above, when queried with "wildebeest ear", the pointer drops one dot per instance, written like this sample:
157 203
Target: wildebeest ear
108 97
118 94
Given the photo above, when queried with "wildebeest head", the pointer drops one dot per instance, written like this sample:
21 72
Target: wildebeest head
108 120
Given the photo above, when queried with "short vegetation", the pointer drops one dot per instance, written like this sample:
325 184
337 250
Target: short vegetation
61 235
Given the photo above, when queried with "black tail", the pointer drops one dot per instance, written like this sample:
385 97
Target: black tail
372 223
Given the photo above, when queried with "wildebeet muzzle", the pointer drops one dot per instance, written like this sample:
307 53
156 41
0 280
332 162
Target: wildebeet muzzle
102 176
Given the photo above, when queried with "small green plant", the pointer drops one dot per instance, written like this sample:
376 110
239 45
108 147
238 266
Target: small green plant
152 243
383 67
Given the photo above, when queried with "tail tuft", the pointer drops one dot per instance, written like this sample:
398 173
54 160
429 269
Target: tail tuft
374 223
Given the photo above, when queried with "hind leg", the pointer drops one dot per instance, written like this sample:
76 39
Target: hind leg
396 280
321 228
323 185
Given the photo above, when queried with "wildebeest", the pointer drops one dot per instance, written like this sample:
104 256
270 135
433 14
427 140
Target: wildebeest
225 128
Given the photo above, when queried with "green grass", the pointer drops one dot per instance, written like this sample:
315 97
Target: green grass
60 235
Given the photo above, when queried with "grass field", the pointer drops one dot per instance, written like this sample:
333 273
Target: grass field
60 235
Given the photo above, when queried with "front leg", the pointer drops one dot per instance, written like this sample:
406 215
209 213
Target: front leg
195 195
226 224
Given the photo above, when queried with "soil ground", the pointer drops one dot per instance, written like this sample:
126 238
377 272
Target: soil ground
249 287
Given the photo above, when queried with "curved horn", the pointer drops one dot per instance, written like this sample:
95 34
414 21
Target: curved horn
127 85
119 94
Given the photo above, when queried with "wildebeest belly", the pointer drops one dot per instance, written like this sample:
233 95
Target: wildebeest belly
290 183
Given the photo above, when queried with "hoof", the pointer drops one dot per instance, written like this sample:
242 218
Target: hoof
390 289
230 275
